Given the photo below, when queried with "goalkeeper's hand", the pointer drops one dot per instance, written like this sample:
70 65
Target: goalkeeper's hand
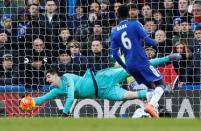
174 56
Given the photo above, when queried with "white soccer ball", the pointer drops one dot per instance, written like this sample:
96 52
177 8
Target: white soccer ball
140 113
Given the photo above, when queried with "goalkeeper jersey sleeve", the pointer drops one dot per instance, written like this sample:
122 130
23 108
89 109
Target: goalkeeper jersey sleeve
68 84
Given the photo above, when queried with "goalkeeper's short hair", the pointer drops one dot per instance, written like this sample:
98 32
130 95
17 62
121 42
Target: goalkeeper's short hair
53 71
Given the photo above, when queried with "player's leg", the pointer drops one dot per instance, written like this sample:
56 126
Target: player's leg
157 83
156 95
129 95
148 76
51 95
110 76
117 93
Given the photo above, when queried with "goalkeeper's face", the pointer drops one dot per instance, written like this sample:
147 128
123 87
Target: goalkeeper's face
52 79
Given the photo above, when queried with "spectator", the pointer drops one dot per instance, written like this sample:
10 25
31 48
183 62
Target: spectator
195 69
168 10
92 17
36 26
40 4
38 49
6 45
164 44
8 72
104 7
22 24
3 42
33 63
64 39
94 11
78 19
75 50
64 57
105 14
94 7
82 31
8 7
139 3
160 21
185 34
64 36
182 12
146 13
34 73
9 27
66 64
150 26
53 21
183 8
99 30
150 52
176 28
196 11
30 2
182 65
98 58
117 4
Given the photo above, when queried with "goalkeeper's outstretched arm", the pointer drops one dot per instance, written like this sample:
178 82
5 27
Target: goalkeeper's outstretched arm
49 96
63 86
168 58
158 61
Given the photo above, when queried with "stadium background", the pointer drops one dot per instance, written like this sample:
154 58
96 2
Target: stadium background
76 37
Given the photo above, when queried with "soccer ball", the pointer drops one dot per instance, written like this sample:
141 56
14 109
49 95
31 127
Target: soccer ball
27 104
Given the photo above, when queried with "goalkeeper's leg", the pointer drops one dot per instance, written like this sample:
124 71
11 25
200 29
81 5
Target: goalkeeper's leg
49 96
111 76
153 102
129 95
117 93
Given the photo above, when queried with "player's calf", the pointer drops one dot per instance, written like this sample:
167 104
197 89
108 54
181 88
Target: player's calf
142 94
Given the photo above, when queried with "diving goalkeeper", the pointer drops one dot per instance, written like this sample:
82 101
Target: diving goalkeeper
103 84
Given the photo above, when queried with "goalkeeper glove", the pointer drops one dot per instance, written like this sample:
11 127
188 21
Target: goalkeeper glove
174 56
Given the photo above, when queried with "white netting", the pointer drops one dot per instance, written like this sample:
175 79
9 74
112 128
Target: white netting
74 35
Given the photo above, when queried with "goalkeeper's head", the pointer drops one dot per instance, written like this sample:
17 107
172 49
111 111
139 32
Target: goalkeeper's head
123 12
53 77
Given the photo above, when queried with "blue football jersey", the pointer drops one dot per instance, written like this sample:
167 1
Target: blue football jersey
127 37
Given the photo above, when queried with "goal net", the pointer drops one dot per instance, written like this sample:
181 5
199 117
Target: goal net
74 35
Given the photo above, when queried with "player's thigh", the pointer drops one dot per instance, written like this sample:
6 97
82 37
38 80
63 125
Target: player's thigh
147 75
112 75
115 93
151 74
112 72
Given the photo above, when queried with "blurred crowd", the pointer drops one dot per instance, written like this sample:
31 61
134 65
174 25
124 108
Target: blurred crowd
73 35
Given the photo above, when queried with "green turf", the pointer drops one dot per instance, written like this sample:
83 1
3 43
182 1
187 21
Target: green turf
86 124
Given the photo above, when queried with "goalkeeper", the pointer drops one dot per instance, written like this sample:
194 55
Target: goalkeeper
102 84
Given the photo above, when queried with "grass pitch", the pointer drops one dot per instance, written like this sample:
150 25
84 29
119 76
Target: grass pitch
92 124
